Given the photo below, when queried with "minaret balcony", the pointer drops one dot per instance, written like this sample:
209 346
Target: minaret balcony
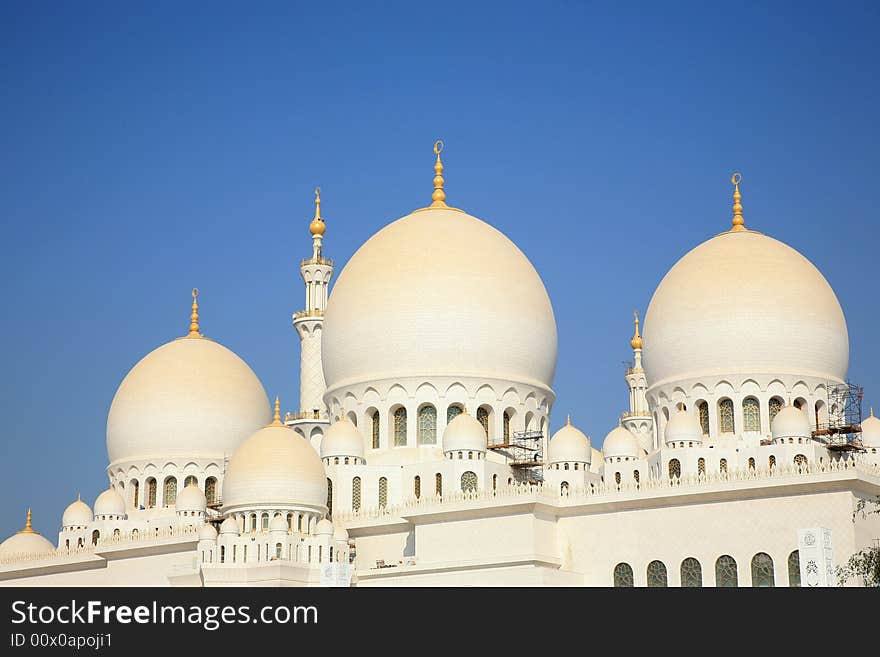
301 314
317 261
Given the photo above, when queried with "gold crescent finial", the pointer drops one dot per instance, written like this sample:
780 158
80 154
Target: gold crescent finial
636 341
194 317
439 196
738 222
317 226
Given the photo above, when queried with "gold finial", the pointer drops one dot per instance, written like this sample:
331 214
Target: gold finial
78 498
194 317
439 196
738 222
872 411
568 420
27 525
317 226
636 341
276 419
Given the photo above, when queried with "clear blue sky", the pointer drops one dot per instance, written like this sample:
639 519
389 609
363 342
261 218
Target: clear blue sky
146 148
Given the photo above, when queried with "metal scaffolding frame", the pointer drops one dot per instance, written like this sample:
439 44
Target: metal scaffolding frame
841 431
524 452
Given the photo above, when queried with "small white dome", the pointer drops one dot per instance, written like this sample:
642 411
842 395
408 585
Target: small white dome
229 526
464 433
77 514
275 466
191 498
110 503
278 524
790 422
871 431
621 442
342 439
207 532
324 528
340 534
569 444
683 426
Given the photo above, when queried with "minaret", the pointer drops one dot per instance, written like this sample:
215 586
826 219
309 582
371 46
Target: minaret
638 420
316 272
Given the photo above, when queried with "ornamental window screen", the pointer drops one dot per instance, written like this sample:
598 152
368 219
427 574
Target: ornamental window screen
356 493
329 497
725 416
483 418
617 478
135 489
774 407
751 463
762 570
170 491
725 572
751 414
211 489
506 426
771 462
400 427
438 484
623 575
794 569
636 476
703 412
563 488
657 575
190 480
468 482
452 412
800 461
417 487
701 466
374 425
383 491
151 493
691 573
495 482
674 469
427 427
722 466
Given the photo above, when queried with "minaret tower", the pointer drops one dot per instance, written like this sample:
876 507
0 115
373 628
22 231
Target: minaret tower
638 420
309 323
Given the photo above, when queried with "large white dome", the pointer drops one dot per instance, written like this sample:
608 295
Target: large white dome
743 302
439 292
190 397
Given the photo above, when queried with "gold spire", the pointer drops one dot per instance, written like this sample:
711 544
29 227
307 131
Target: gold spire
439 196
276 419
27 525
872 411
194 317
636 341
568 420
317 226
738 222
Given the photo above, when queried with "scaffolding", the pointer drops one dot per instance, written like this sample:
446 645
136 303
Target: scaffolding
524 452
839 424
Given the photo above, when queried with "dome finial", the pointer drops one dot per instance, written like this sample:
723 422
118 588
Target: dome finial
872 412
568 420
276 419
194 317
27 525
738 222
636 341
317 226
439 196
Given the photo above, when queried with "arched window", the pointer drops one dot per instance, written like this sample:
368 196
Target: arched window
253 522
565 466
751 463
417 487
495 482
452 412
290 521
400 427
636 477
674 469
722 466
374 428
563 488
468 481
725 572
657 575
222 554
703 413
264 522
211 489
170 491
725 416
95 536
427 425
329 497
794 569
505 422
701 466
691 573
278 549
623 575
617 478
751 414
800 461
151 492
438 484
771 462
356 493
762 570
483 417
191 479
383 492
774 407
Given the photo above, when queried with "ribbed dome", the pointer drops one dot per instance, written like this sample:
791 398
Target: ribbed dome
275 466
569 444
439 292
77 514
190 397
743 302
110 503
342 439
790 422
871 431
620 442
464 433
191 498
683 426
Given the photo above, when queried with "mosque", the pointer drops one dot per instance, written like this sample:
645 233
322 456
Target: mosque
420 453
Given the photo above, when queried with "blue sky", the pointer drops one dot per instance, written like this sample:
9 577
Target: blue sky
146 148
